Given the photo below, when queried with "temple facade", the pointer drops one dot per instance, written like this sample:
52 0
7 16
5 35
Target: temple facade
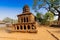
26 21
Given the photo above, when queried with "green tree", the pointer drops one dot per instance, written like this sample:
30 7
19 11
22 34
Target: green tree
39 16
7 19
48 17
50 5
45 19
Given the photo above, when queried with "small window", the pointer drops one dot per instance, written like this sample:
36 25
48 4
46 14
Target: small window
24 19
27 19
21 20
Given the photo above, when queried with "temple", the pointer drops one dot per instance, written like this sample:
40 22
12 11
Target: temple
26 21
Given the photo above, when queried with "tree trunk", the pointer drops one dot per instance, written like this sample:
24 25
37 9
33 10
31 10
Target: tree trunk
59 18
58 15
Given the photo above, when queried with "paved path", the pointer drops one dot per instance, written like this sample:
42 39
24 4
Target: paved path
41 35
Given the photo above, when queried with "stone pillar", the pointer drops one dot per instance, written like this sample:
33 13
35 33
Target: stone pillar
26 27
30 27
19 27
16 27
28 19
20 19
23 19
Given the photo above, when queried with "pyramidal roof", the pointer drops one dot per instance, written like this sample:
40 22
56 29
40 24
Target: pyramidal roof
26 9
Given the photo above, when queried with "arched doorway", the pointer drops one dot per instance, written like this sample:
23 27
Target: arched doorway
33 27
24 27
28 26
21 27
17 27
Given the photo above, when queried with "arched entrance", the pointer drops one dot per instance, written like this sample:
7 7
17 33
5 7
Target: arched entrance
24 27
28 27
17 27
21 27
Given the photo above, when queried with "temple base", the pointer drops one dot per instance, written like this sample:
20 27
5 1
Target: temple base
23 31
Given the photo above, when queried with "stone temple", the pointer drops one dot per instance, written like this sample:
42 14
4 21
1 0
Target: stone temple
26 21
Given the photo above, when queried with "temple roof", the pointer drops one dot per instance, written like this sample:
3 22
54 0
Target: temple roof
26 6
26 11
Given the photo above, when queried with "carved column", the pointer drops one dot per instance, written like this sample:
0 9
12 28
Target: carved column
30 27
20 19
16 27
19 27
29 18
26 27
25 19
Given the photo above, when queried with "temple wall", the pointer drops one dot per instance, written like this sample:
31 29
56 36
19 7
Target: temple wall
26 21
32 18
32 27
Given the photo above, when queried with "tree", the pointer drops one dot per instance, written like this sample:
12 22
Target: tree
45 19
39 16
9 20
50 5
49 16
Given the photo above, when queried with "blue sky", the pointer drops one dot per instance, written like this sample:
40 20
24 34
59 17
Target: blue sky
11 8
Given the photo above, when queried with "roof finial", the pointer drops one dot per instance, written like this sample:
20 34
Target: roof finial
26 9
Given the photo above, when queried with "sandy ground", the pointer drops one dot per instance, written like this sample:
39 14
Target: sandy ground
55 31
42 34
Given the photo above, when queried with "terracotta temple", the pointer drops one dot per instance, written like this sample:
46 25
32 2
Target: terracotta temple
26 21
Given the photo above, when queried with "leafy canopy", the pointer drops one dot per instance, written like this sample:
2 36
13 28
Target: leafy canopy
49 5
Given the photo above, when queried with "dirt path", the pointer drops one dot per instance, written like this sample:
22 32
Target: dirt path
41 35
55 31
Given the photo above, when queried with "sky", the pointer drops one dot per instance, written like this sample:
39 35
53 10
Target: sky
11 8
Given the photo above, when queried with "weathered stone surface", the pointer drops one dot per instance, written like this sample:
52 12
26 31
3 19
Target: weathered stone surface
26 21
